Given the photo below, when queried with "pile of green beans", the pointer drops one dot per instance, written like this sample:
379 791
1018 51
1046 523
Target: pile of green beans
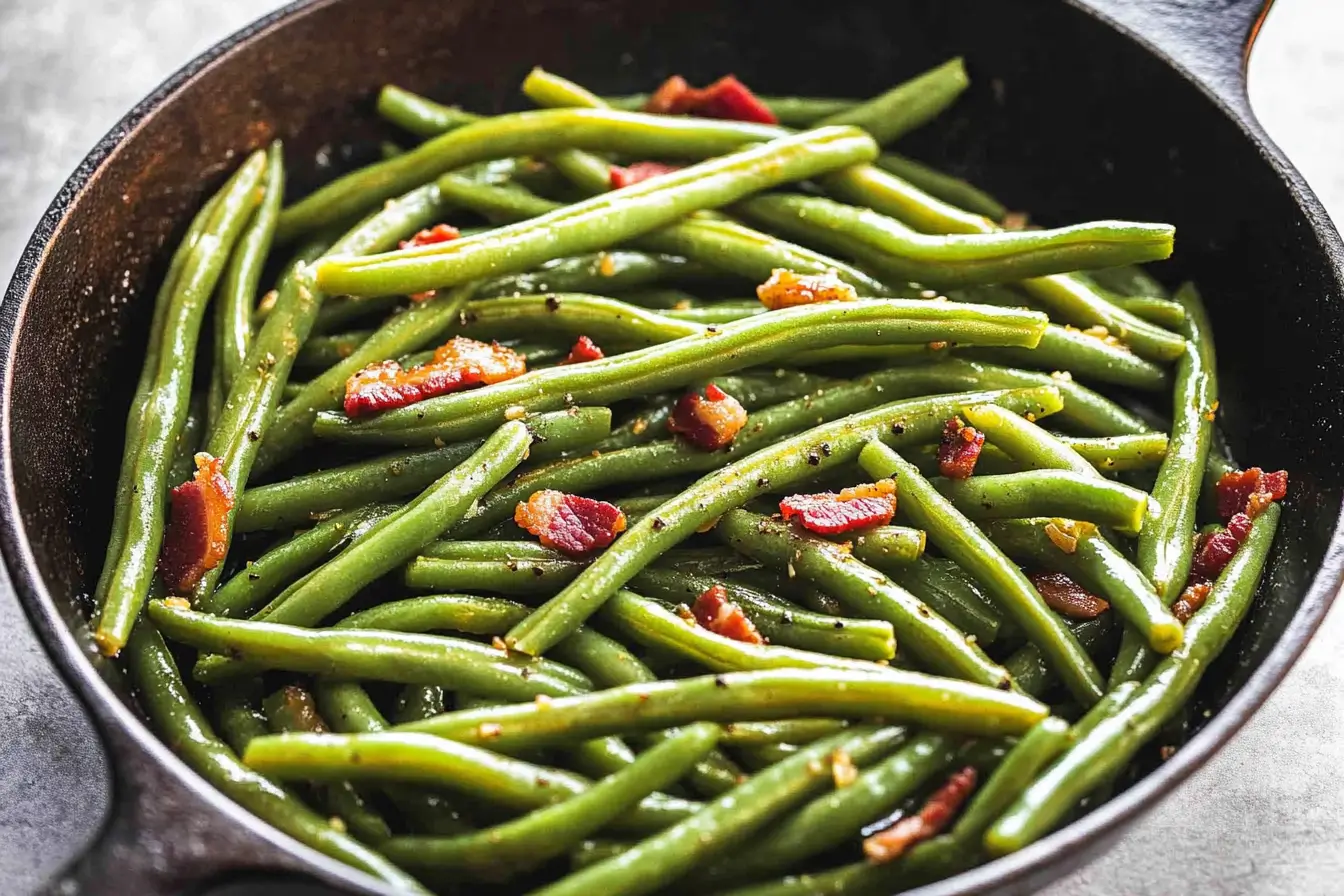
454 706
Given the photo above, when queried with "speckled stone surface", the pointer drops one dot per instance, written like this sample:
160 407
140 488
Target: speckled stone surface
1266 816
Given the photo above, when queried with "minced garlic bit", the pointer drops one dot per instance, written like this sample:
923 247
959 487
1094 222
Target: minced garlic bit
937 346
542 701
179 603
337 824
606 265
843 770
515 412
439 442
489 730
498 643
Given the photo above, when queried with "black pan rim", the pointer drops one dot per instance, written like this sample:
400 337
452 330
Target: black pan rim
112 716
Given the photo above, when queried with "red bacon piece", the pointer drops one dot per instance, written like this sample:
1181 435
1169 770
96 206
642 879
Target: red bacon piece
959 449
727 98
714 611
1214 550
827 513
1063 595
1191 599
584 349
198 532
931 820
710 421
439 233
785 289
1249 491
458 364
570 523
639 171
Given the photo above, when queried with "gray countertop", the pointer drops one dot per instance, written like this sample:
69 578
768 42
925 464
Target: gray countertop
1266 816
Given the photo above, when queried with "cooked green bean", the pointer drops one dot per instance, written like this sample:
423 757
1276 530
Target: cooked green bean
959 539
1028 444
421 116
321 352
1108 747
1163 312
951 594
174 714
1096 565
1119 453
159 408
397 474
667 366
1086 356
1028 757
930 637
901 253
792 111
518 845
1048 493
1165 547
610 272
949 189
791 731
899 696
887 546
905 107
807 454
338 312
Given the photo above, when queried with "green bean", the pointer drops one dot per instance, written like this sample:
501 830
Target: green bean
718 312
942 186
339 312
395 475
792 111
888 545
1048 493
351 711
321 352
545 833
1099 567
1085 356
1111 745
361 653
516 579
918 629
791 731
598 222
896 695
1083 408
779 621
419 701
1130 280
1113 454
1028 444
805 455
727 821
1163 312
399 535
159 409
908 105
293 709
179 721
1165 547
721 245
289 560
956 259
831 820
720 350
953 596
407 758
238 288
420 116
1028 757
572 314
1113 702
609 272
960 540
1032 672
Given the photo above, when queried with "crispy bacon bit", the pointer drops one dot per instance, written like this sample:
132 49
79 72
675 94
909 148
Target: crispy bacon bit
1214 550
890 844
858 507
1063 595
1191 599
639 171
439 233
727 98
570 523
714 611
1064 534
959 449
786 289
584 349
458 364
709 422
1249 491
198 534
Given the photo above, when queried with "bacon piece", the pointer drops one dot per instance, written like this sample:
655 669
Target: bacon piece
1214 550
785 289
570 523
1249 491
439 233
890 844
714 611
584 349
727 98
198 532
639 171
458 364
709 422
827 513
1191 599
1063 595
959 449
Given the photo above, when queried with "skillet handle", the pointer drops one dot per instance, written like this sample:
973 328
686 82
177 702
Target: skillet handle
163 838
1210 39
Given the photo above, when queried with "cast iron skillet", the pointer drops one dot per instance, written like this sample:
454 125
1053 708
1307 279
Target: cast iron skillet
1073 116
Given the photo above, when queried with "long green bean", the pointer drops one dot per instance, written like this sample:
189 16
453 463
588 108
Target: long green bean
949 189
421 116
905 107
1048 493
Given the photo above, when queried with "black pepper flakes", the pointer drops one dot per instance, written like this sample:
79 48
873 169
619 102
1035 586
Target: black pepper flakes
826 448
898 428
552 303
719 682
813 458
658 524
